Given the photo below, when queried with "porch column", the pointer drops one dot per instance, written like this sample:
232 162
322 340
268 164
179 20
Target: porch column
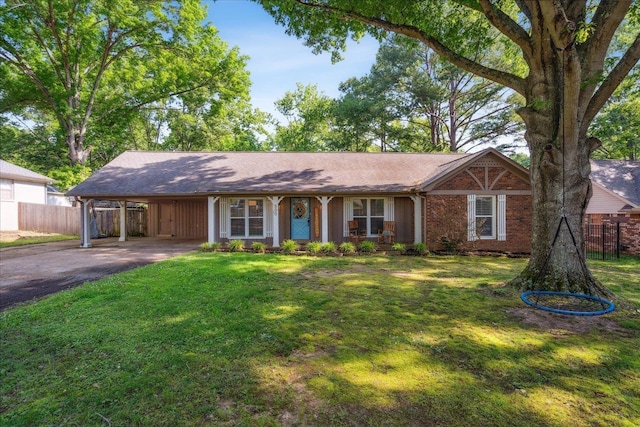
324 200
123 221
85 233
275 201
211 219
417 215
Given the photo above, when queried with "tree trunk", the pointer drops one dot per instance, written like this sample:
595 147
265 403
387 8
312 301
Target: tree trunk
560 183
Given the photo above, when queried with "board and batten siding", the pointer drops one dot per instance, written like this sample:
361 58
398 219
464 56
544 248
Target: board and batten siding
189 221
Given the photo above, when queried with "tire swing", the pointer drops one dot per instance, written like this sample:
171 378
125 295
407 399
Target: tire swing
568 303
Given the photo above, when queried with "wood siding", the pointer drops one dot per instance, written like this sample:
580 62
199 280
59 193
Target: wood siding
189 219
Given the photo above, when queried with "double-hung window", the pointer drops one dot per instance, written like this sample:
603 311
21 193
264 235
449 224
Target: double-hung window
486 217
369 213
247 217
6 189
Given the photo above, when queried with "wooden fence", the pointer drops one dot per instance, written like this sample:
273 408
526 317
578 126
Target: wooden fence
48 218
66 220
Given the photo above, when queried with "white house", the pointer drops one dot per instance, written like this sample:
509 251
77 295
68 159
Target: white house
18 184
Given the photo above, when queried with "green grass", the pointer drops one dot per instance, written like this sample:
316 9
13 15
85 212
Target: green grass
268 340
39 239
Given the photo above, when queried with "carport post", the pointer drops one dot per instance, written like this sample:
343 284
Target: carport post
211 236
85 233
275 201
123 221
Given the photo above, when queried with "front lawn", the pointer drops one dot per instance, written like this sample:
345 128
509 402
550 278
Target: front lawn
254 339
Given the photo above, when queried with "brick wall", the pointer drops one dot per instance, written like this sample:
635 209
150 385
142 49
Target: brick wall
629 229
446 216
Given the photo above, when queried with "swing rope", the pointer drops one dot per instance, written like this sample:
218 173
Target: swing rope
566 302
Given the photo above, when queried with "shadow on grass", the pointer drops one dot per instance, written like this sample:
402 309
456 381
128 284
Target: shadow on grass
276 340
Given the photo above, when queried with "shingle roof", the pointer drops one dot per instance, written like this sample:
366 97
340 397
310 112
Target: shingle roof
622 177
149 173
11 171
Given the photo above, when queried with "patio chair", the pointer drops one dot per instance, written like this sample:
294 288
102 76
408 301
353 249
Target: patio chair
388 232
354 231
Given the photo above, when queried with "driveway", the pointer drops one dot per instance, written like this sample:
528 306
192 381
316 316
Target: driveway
33 271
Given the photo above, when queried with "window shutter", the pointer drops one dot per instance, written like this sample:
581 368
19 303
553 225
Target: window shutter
502 217
471 218
389 209
268 217
347 204
224 217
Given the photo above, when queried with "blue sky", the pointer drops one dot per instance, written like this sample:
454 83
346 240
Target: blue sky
278 61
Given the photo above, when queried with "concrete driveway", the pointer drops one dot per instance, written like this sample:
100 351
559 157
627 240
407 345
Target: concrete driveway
33 271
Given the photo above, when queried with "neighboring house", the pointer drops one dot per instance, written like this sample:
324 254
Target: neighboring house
616 198
477 201
56 197
18 184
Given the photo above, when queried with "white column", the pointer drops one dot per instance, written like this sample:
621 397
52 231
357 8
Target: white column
123 221
417 215
211 219
275 201
324 200
85 232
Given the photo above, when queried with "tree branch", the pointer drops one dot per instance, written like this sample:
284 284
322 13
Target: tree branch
611 83
510 80
507 26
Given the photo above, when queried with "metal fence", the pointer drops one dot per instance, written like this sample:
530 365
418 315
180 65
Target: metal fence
602 241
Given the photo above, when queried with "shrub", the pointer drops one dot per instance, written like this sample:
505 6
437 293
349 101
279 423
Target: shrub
258 247
421 248
328 247
290 246
399 247
347 248
367 246
450 245
314 247
236 246
209 247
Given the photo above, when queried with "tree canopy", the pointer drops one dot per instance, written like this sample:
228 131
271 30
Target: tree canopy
92 66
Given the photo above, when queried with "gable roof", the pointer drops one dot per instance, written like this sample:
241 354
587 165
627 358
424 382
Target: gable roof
621 177
11 171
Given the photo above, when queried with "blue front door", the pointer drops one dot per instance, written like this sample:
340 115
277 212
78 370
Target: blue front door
300 218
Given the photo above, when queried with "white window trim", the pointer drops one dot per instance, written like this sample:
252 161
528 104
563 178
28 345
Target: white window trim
246 218
499 217
493 217
12 190
368 217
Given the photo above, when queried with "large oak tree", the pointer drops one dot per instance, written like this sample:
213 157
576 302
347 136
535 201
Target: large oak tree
559 51
91 64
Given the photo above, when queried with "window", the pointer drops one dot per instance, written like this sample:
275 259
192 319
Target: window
485 217
370 214
6 189
247 217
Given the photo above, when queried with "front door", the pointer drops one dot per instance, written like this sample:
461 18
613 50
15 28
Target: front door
300 218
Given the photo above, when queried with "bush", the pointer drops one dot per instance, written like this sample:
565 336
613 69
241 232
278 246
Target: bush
314 247
450 245
367 246
347 248
421 248
329 247
236 246
258 247
399 247
209 247
290 246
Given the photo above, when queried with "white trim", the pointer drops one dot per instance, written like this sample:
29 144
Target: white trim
211 218
85 229
417 221
324 201
123 221
471 218
246 217
225 222
389 209
347 206
502 217
273 224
